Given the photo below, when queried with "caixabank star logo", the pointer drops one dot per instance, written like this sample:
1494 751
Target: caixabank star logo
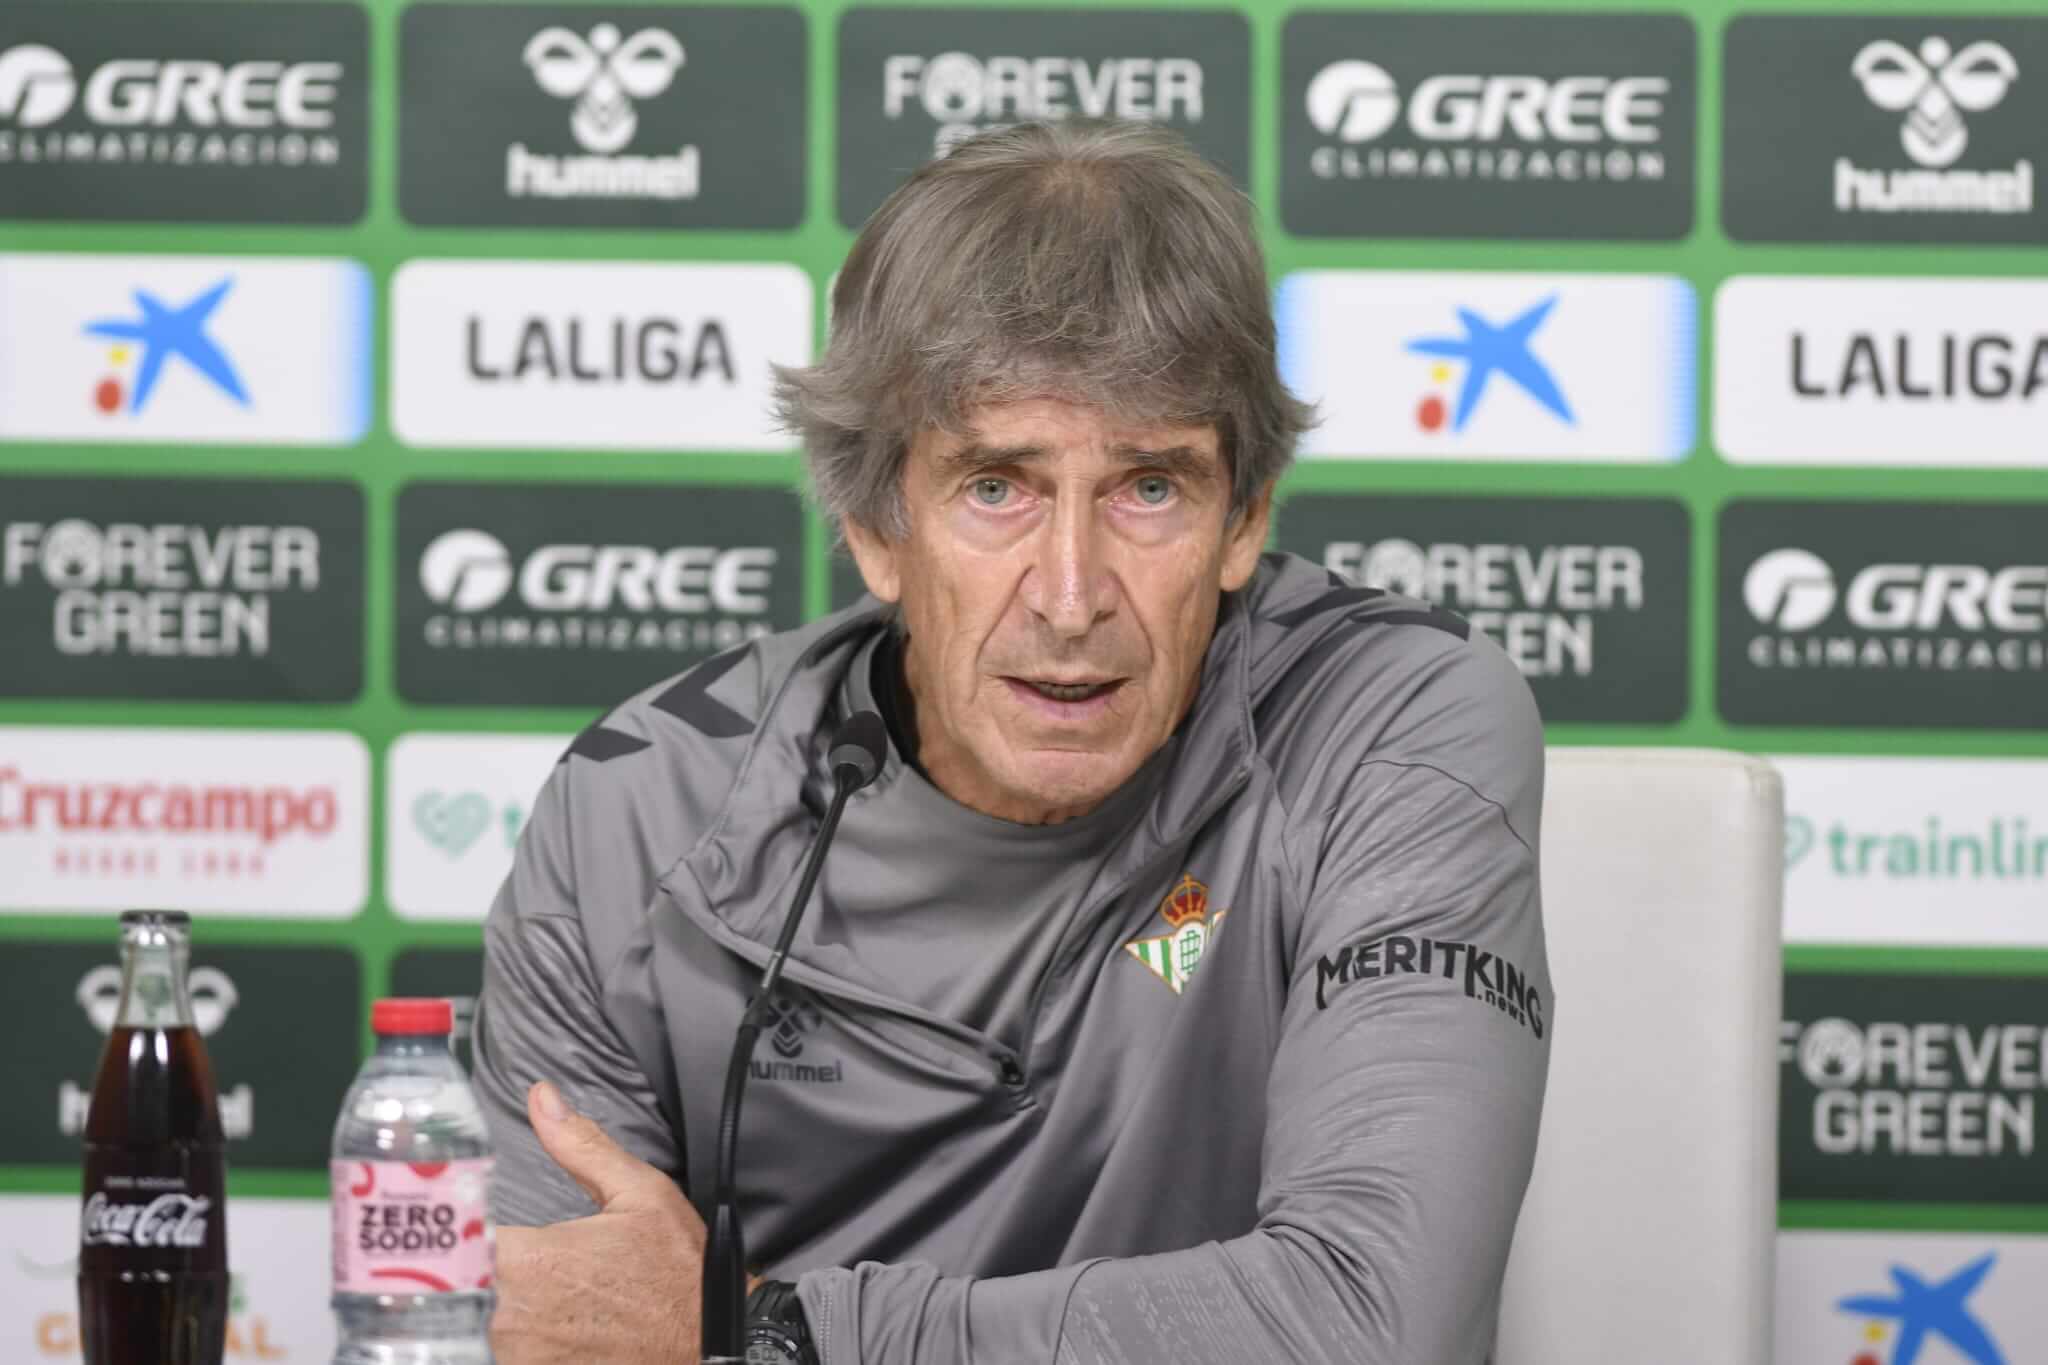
1192 928
1490 364
152 349
1916 1309
1872 1297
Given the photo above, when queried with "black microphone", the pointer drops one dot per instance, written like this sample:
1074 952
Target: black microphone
855 758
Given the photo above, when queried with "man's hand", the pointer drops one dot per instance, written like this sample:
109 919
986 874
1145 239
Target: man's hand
621 1286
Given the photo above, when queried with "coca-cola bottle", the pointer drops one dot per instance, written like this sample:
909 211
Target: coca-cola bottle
153 1237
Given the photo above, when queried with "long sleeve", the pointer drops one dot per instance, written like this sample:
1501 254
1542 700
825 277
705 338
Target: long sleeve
1402 1102
541 1017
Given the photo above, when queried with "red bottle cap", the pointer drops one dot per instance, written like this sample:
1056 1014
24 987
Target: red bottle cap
412 1016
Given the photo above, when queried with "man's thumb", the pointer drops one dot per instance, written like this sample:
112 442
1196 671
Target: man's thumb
605 1170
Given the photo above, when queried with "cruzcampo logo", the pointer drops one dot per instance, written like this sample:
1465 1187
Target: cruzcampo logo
1192 927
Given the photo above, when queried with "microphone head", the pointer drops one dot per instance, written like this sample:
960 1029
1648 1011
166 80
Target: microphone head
857 749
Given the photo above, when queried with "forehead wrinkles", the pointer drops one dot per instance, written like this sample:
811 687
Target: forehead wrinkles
1177 458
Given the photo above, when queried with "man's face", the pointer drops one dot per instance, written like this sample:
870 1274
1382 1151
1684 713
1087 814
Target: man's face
1059 583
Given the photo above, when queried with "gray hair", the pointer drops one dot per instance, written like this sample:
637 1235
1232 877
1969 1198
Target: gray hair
1101 263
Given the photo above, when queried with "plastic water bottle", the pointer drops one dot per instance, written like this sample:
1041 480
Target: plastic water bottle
411 1187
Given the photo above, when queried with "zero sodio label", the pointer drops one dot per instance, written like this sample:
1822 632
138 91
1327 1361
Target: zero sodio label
412 1227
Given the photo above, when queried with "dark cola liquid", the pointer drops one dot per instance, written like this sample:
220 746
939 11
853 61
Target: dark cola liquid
153 1240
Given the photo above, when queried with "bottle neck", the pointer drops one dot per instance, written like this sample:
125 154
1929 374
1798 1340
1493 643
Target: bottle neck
412 1045
154 994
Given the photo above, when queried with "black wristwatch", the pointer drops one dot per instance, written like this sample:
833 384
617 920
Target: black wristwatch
777 1331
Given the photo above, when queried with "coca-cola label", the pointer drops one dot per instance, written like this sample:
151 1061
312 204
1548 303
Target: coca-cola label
160 1208
169 1220
412 1227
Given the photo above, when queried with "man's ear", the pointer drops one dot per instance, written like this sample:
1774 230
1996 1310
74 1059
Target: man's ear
1244 539
875 554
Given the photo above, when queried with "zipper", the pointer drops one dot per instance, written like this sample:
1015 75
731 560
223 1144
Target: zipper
1008 1067
1064 953
1012 1065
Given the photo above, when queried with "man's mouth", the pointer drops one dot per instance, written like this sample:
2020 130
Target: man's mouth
1069 691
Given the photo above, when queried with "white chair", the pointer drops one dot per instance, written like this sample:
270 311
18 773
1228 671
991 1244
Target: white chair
1647 1234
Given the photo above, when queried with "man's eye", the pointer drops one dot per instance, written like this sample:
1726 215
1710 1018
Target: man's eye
991 492
1154 489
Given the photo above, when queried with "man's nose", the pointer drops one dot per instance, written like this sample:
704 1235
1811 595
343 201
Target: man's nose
1070 586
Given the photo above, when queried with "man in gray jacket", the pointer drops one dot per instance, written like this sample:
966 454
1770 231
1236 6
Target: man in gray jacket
1176 995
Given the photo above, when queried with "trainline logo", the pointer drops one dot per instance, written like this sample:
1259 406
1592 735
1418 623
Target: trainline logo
1916 850
454 807
2004 848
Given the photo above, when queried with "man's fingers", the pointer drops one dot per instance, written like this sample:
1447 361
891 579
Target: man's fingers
606 1171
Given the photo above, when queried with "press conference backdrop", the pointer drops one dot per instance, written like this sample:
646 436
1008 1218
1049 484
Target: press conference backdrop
383 395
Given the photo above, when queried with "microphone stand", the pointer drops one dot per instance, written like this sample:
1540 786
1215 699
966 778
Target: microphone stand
855 758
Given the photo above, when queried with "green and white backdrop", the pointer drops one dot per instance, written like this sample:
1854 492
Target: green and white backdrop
382 396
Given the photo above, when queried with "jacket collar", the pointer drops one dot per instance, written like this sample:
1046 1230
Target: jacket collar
779 789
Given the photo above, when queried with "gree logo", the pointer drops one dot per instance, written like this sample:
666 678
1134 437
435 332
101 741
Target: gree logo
1353 100
467 570
1789 589
1357 101
37 87
471 570
1794 590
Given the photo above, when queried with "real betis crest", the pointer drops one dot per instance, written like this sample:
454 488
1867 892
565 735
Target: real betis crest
1173 956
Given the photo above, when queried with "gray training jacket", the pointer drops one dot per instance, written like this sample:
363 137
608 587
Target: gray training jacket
1271 1094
